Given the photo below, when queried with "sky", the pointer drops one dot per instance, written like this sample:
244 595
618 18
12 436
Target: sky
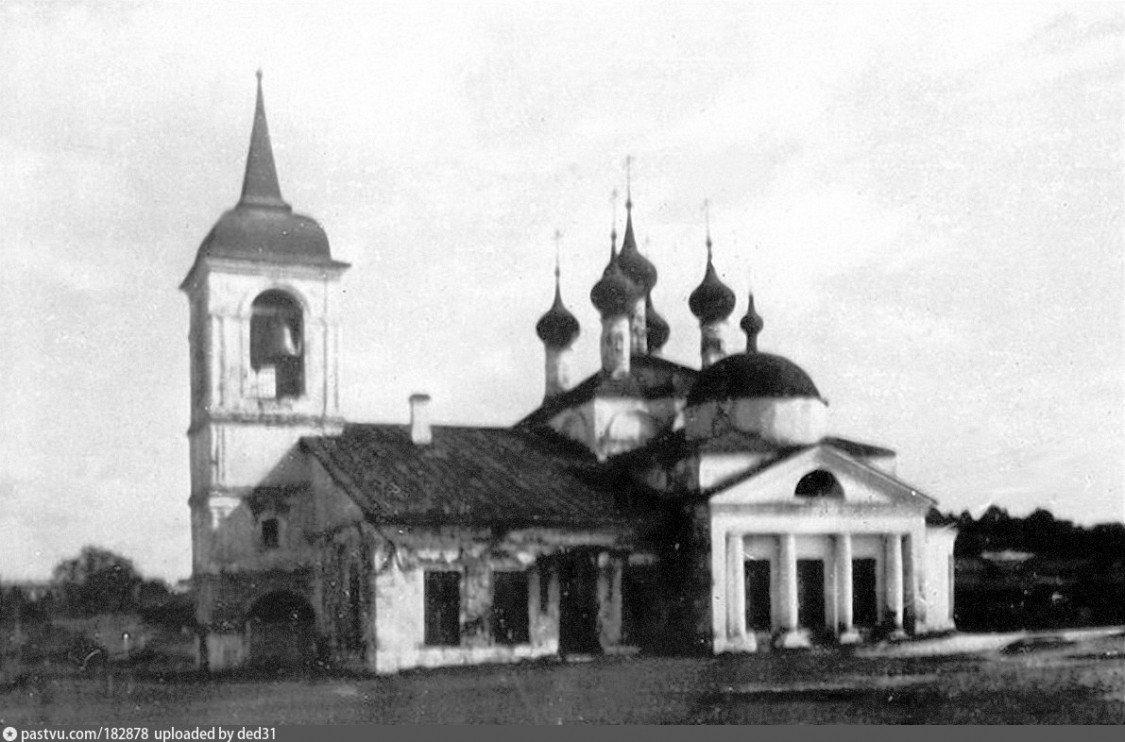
926 201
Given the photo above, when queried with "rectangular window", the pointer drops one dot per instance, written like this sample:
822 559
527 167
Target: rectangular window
443 609
510 608
270 533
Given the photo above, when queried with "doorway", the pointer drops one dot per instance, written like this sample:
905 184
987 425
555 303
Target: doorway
282 632
758 605
865 608
578 604
810 593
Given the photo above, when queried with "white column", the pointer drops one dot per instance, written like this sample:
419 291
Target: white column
734 558
737 635
787 554
844 595
895 581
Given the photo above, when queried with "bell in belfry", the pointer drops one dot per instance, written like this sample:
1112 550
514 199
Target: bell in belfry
281 343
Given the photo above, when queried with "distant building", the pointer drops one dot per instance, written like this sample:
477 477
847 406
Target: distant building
651 506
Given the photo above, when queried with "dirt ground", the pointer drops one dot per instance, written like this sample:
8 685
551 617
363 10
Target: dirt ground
1055 679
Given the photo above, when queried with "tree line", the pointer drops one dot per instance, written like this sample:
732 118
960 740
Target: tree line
97 581
1039 533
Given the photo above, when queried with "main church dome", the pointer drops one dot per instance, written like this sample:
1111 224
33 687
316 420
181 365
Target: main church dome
758 393
751 375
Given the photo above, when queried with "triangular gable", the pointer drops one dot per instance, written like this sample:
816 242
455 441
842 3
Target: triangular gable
862 483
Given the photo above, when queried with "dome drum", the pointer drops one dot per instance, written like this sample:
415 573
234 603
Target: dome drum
793 421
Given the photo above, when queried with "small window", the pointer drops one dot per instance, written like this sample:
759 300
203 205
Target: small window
819 483
270 533
510 608
443 609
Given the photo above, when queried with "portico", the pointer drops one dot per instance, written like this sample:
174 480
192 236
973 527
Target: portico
794 571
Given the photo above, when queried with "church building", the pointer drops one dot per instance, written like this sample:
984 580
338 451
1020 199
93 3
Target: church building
650 507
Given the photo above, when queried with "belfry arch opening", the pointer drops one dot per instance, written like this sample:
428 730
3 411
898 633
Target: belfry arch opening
282 631
820 483
277 344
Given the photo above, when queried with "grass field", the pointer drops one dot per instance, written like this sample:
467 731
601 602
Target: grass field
1051 681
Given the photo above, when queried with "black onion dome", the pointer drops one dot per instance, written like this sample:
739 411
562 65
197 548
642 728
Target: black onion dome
657 326
614 294
558 327
751 322
744 376
637 267
712 300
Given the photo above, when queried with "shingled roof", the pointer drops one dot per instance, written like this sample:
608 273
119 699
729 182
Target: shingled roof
487 476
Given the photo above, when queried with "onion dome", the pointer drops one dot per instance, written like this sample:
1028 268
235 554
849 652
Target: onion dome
262 226
753 375
614 294
557 328
751 324
657 327
712 301
636 266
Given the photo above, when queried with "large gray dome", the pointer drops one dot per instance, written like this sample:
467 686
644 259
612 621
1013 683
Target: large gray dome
752 375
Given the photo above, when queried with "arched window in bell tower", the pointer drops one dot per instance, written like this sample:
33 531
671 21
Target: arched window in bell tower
277 344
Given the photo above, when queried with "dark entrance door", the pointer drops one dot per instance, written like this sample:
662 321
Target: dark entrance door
578 604
282 632
810 593
758 606
865 608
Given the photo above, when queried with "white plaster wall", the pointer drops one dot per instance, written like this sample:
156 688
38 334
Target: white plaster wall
937 585
399 614
612 425
716 468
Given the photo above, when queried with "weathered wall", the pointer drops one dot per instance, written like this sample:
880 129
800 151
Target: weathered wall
401 561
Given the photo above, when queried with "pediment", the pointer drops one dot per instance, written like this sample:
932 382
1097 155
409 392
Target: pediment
825 475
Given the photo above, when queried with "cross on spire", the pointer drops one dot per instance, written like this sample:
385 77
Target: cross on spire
558 237
707 225
628 182
613 228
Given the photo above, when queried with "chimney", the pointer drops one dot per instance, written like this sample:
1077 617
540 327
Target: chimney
420 432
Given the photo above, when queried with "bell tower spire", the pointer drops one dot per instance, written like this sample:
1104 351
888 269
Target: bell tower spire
259 185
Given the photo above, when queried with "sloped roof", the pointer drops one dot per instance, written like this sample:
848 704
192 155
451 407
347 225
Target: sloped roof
650 377
855 448
488 476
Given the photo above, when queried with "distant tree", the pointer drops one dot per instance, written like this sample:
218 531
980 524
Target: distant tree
97 581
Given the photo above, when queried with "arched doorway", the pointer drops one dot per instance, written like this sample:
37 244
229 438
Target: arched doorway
282 631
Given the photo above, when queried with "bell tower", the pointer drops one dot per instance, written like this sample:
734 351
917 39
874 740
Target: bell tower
264 345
